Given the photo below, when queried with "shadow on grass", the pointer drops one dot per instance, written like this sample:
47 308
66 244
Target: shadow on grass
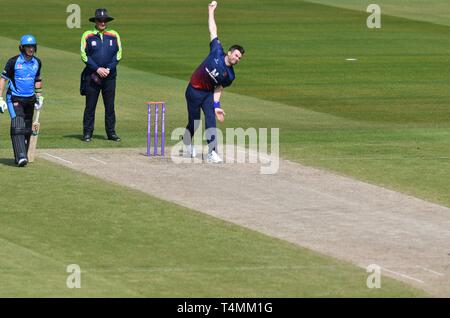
7 162
80 137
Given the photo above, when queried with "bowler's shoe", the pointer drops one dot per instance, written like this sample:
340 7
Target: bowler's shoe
114 137
87 137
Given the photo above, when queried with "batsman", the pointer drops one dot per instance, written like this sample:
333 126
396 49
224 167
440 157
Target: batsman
22 79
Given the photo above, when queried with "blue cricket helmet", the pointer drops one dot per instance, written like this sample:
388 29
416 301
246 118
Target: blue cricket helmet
27 39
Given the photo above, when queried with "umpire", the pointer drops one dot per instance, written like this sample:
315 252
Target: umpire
101 51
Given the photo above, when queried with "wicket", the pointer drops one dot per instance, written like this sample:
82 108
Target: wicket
156 106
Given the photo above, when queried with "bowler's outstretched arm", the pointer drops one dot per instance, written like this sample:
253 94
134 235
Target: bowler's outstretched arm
211 20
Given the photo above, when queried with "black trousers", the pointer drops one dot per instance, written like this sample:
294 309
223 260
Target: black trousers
24 107
92 91
21 129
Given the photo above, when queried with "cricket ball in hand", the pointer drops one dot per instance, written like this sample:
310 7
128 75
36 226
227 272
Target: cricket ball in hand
213 3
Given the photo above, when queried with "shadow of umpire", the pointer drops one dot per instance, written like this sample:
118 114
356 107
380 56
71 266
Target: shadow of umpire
7 162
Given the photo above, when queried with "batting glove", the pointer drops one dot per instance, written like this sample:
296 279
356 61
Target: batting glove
39 103
3 105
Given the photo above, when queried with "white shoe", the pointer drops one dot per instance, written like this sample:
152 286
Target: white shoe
191 151
213 157
22 162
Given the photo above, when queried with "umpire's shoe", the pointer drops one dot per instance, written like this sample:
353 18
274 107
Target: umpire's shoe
114 137
22 162
87 137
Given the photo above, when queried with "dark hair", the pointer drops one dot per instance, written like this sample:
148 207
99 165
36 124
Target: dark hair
237 47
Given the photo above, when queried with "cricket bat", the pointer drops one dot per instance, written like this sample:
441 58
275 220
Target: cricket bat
34 137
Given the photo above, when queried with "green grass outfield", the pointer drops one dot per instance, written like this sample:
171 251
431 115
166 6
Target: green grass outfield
383 118
434 11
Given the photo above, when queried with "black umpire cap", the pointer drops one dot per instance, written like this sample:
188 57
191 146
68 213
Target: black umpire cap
101 14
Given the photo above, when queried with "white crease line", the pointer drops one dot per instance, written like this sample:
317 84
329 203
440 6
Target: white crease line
255 157
252 156
403 275
379 158
215 269
102 162
69 162
431 271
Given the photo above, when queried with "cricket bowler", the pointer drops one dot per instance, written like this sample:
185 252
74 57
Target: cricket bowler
206 86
